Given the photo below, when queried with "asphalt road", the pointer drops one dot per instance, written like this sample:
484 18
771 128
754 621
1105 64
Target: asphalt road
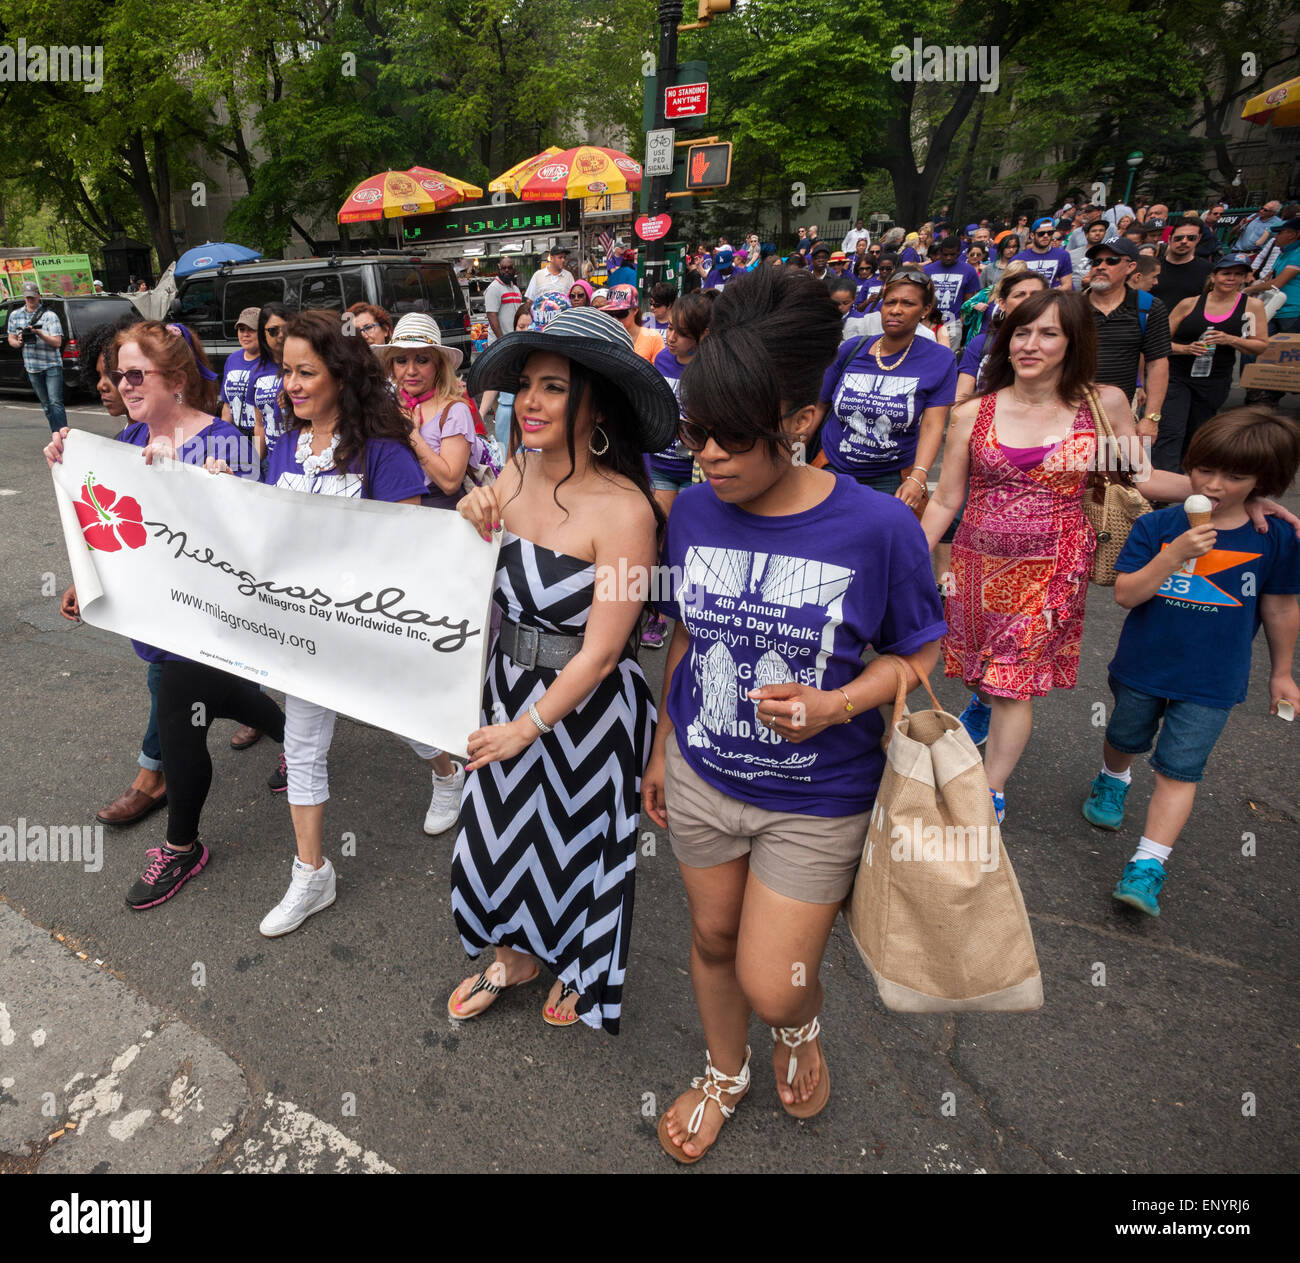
1183 1061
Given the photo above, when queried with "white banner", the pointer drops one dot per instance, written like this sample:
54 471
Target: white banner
375 610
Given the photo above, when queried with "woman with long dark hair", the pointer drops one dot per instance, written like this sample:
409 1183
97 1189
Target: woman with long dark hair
544 866
767 758
1018 283
268 420
344 436
1023 553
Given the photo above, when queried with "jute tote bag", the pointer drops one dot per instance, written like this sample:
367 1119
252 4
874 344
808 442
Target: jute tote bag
936 911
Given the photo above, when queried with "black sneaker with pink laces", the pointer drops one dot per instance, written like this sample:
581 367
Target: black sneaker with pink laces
278 781
168 871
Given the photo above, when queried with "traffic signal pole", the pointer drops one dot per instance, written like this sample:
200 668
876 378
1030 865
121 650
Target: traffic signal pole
670 14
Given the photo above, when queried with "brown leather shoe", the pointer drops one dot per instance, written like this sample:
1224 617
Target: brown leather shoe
134 805
245 737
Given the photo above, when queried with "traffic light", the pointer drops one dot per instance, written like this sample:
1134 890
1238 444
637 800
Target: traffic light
708 10
708 166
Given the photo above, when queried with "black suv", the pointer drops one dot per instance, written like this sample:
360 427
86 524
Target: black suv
210 301
78 316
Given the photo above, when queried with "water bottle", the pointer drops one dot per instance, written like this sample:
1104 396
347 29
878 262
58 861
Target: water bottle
1202 364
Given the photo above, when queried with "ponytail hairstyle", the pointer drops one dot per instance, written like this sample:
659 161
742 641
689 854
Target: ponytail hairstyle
773 334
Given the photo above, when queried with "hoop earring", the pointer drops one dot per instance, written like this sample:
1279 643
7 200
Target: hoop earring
597 430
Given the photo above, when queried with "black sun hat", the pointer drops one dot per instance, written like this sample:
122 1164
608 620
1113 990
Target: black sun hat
600 343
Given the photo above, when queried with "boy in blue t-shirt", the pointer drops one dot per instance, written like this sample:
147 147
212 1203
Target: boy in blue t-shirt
1196 598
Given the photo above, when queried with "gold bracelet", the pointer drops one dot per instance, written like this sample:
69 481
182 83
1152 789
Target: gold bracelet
848 706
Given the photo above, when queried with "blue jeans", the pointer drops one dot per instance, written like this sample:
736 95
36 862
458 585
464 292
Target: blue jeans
151 747
48 385
1187 734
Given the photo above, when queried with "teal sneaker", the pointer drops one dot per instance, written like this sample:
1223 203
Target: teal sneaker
1105 805
999 804
975 719
1140 885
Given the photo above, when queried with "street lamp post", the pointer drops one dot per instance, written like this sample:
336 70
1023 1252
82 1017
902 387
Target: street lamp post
1134 161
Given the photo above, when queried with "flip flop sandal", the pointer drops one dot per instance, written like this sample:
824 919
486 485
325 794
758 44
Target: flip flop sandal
713 1083
794 1037
565 992
483 983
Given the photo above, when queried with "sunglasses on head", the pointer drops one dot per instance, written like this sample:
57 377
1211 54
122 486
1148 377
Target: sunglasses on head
132 376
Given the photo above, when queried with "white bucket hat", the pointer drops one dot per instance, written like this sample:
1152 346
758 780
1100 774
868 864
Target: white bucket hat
416 331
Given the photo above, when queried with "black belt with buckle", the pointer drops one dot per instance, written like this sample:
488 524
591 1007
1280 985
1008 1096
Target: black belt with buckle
531 647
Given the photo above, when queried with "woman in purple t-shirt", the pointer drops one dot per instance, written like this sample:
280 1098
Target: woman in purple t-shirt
670 470
767 758
170 402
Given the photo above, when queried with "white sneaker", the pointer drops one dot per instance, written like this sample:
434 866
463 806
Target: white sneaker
310 890
444 807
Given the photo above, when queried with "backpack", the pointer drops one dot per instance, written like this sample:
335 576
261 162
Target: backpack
1144 306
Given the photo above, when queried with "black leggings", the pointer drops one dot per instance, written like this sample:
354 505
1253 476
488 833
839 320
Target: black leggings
190 697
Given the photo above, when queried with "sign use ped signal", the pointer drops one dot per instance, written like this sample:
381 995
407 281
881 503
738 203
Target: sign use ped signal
708 166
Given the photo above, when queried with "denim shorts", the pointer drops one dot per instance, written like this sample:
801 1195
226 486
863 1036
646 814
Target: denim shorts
1186 737
669 482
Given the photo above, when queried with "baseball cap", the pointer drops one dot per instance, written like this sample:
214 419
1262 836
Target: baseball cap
971 228
564 250
819 247
1045 222
723 257
623 298
1287 225
1232 261
31 289
249 318
1121 245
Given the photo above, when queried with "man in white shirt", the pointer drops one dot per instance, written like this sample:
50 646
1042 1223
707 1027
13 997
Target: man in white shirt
554 278
855 234
501 299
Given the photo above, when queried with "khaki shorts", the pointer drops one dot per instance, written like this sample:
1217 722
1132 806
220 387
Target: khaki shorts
813 859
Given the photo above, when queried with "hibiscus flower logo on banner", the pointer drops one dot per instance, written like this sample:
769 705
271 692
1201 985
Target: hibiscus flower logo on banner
109 521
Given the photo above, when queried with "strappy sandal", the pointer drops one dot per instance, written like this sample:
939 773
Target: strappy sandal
794 1037
483 983
565 992
713 1083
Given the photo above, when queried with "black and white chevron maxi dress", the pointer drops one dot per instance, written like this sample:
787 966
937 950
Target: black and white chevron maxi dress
545 861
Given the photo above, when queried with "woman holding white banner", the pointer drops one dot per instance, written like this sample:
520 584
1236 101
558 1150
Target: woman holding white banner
159 374
545 862
344 436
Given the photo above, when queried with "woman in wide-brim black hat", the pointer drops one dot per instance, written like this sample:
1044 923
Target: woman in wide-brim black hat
544 863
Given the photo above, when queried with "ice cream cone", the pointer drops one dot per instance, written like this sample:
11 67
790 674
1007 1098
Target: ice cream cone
1199 509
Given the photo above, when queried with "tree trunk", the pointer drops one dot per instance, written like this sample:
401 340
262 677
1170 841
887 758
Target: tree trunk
968 163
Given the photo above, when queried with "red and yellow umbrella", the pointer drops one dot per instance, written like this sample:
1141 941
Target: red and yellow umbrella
419 191
1279 106
581 172
505 182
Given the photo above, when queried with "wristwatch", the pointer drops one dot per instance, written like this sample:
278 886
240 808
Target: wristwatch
1151 416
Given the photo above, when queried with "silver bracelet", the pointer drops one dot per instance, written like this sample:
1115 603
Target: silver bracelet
542 726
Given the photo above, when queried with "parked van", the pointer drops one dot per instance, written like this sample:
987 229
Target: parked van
78 316
209 301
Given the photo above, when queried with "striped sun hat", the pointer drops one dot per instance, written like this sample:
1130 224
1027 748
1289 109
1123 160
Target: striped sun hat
416 331
599 343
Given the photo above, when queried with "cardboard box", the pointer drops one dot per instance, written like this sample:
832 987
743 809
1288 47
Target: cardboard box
1278 368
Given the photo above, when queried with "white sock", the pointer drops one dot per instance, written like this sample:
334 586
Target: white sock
1126 775
1148 850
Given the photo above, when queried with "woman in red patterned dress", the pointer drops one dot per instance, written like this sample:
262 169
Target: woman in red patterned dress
1022 555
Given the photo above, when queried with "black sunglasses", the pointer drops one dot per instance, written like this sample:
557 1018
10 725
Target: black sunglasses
696 437
1109 261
